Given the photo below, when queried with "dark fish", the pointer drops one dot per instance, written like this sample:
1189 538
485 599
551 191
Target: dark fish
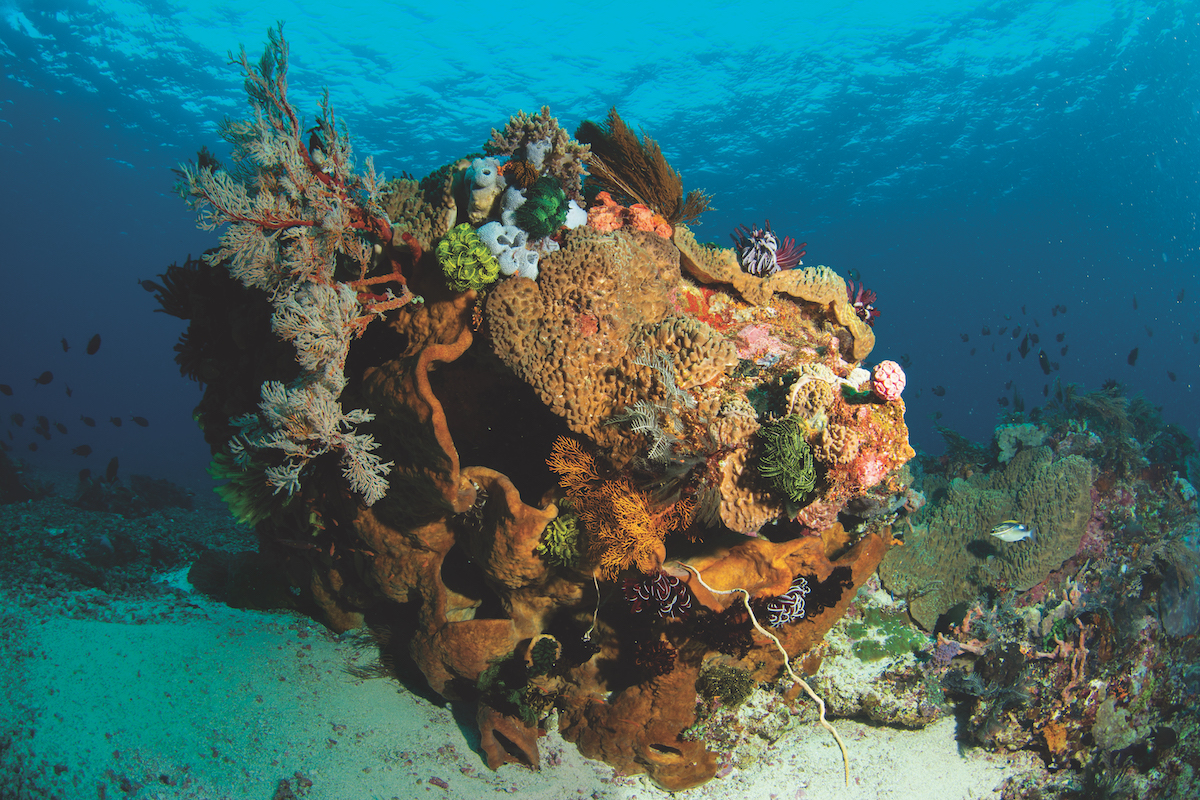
1023 348
5 390
43 432
1055 365
44 378
1009 356
1016 331
1054 311
964 336
93 345
906 360
1064 349
1060 337
91 423
1007 385
110 472
43 422
151 286
1132 357
1033 338
1044 361
33 447
61 428
1195 340
68 389
66 346
1135 302
1003 401
1150 331
938 391
84 474
1036 324
82 450
854 276
1171 375
1008 316
972 351
1001 331
937 415
145 423
1045 390
5 446
986 331
115 421
1179 297
1022 309
1062 309
17 420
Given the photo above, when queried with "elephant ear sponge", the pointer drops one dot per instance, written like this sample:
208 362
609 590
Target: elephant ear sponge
466 260
544 210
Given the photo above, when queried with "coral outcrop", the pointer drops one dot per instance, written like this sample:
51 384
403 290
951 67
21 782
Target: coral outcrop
581 466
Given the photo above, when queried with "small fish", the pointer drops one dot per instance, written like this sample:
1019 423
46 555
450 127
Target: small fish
1060 337
84 474
115 421
1135 302
1007 385
1036 324
33 447
5 390
93 345
1016 331
964 336
151 286
1179 297
1000 331
1034 338
1022 309
1003 401
1149 331
91 423
1171 375
110 472
1132 357
43 422
854 276
1064 349
1009 356
1195 340
1044 361
1012 531
986 331
937 415
68 389
939 391
61 428
973 351
145 423
17 420
1045 390
1023 348
906 360
44 378
66 346
83 450
1062 309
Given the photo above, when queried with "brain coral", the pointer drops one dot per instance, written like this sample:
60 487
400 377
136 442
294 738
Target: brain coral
947 561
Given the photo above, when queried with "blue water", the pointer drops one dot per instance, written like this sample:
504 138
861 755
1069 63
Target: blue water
976 163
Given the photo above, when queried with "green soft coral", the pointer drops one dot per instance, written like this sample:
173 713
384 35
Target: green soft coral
787 461
544 210
466 260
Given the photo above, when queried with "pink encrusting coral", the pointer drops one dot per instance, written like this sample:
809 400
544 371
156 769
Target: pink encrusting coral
888 381
755 342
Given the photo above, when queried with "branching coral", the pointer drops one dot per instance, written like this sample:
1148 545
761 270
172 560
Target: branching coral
466 260
295 214
637 170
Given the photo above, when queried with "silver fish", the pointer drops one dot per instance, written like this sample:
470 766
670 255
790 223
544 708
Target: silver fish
1012 531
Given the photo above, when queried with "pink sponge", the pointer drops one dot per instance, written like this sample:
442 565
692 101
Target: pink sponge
888 381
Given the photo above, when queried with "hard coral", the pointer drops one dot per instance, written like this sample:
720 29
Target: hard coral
887 381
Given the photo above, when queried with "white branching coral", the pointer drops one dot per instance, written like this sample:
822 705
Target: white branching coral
295 214
303 423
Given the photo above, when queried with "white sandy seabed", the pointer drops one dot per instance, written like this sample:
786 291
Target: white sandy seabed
183 698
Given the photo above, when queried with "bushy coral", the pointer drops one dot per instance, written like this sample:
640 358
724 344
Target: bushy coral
466 260
544 210
786 460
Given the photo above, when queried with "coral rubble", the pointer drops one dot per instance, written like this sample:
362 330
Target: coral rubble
560 473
